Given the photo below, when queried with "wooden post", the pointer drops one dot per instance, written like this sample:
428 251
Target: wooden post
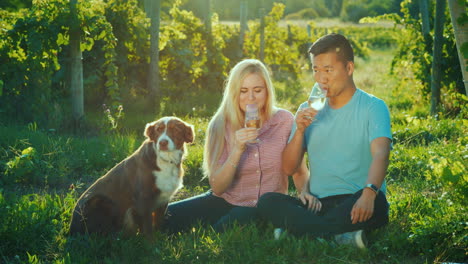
461 36
423 9
154 13
290 35
262 34
437 55
243 26
76 67
309 44
147 7
208 16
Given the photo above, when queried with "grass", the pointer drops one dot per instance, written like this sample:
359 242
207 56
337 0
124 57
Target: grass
427 187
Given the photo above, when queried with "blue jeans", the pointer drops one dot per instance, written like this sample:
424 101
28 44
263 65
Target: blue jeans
208 210
288 212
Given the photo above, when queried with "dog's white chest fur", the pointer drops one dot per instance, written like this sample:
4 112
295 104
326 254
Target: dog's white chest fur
167 180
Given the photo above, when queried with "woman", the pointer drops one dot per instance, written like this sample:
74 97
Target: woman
240 171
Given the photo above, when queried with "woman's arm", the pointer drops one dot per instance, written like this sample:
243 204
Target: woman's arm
223 175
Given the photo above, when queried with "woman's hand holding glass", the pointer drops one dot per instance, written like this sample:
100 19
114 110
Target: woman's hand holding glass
244 136
249 133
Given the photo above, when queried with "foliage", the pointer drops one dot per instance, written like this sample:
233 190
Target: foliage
307 13
112 122
35 49
22 166
463 21
318 11
229 9
115 43
280 52
191 60
44 215
35 156
31 58
415 56
354 10
15 4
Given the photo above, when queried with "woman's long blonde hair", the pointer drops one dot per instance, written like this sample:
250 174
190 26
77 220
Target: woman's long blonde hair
229 112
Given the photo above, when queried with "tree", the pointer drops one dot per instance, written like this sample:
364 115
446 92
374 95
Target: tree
76 67
460 28
13 5
243 25
154 13
262 34
207 17
437 57
423 8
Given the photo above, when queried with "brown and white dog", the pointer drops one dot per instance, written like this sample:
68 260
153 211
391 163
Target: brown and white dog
134 194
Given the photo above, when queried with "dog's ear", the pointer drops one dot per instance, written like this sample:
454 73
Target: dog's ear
150 131
189 133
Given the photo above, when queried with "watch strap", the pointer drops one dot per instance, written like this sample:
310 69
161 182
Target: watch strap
372 187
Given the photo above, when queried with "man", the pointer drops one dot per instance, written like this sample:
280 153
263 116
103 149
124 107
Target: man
348 144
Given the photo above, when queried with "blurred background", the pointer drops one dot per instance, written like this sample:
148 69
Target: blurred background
69 64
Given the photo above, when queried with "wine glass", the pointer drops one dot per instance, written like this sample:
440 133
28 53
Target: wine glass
252 118
317 97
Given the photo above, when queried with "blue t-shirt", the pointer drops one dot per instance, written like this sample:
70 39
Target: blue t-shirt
338 144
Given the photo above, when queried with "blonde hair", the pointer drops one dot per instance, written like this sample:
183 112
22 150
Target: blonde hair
229 112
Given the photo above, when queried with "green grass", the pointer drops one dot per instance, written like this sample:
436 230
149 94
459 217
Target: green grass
427 187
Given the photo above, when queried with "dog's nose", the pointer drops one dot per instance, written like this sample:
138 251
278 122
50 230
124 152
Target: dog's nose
163 144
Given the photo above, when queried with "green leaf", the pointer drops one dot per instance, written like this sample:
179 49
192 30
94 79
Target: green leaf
462 19
61 39
102 35
464 50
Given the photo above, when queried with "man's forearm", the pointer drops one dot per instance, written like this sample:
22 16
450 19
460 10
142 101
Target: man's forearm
301 177
380 149
293 154
378 170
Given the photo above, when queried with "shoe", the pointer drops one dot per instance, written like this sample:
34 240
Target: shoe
355 238
277 233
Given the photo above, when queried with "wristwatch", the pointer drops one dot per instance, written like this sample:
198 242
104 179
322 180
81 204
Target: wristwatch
373 187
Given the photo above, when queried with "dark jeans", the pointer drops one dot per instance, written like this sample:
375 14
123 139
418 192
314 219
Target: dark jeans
207 209
335 217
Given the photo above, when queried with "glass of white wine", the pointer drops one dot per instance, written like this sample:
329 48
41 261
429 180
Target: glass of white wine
317 98
252 118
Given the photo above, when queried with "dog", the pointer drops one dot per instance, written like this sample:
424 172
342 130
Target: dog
133 196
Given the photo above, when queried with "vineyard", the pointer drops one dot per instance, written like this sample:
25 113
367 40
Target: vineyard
46 162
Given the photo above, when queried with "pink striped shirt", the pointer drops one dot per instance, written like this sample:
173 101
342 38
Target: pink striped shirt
259 168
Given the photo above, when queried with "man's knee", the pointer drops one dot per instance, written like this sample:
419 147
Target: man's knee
381 204
381 212
268 198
